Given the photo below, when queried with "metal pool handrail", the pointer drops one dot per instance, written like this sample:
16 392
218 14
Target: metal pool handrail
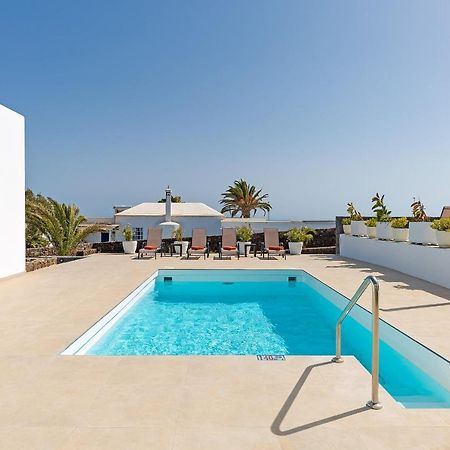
374 403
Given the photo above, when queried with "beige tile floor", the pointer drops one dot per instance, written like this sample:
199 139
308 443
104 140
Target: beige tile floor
48 401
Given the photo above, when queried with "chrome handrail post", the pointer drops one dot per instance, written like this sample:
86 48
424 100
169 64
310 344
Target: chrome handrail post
338 358
374 402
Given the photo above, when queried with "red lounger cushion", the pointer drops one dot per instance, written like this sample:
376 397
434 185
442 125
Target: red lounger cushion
150 247
197 248
228 247
278 247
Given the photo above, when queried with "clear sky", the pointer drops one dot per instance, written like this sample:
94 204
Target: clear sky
318 102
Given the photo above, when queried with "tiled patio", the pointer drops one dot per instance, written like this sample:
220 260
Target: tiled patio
50 401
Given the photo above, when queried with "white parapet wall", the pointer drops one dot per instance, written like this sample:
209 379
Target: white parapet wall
12 192
426 262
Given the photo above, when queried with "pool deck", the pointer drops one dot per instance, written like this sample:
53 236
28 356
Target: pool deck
49 401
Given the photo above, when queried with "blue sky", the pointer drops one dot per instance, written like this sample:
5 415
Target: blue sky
319 103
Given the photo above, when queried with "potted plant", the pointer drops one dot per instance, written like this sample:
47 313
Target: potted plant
244 236
178 235
129 246
420 231
442 228
297 237
358 225
400 230
346 225
371 225
384 229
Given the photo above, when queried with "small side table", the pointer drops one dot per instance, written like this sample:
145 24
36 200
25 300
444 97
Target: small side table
249 246
172 249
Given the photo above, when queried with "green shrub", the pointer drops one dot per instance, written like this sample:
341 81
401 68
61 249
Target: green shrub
372 222
128 233
353 213
400 222
244 234
380 209
304 234
441 225
346 221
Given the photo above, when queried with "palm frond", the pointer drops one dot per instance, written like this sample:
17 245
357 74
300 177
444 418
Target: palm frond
244 199
59 223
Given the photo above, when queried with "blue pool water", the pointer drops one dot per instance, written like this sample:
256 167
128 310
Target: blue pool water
260 312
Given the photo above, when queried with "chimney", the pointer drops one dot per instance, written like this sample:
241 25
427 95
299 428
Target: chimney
168 205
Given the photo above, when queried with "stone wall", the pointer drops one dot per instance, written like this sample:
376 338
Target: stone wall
40 252
83 249
319 250
40 263
324 242
38 258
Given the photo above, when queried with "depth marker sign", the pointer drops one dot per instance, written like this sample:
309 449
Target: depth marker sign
271 357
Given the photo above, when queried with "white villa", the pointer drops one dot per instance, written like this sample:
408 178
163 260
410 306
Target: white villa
167 215
187 215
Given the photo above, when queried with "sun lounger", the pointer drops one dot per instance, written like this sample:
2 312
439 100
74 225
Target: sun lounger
228 246
199 244
154 242
272 244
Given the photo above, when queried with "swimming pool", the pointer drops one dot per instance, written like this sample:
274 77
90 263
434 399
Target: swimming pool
251 312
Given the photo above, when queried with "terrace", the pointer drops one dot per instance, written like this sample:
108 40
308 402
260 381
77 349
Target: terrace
186 402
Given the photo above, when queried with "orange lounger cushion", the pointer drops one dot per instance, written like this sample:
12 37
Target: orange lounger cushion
228 247
276 247
150 247
197 248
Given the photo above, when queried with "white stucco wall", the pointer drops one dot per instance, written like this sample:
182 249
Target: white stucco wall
428 263
212 224
258 225
12 192
93 238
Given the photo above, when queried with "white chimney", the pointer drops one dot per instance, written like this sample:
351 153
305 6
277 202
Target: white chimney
168 226
168 205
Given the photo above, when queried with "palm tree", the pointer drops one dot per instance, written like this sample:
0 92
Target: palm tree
60 224
33 235
243 198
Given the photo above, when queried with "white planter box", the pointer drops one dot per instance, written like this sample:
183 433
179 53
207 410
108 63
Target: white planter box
295 248
421 233
358 228
347 229
372 232
129 247
384 231
241 247
184 247
400 234
421 261
443 238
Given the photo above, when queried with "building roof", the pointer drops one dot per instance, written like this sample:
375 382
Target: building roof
178 210
99 220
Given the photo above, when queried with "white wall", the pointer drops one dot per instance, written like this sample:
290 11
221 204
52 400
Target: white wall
258 225
93 238
212 224
12 192
428 263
